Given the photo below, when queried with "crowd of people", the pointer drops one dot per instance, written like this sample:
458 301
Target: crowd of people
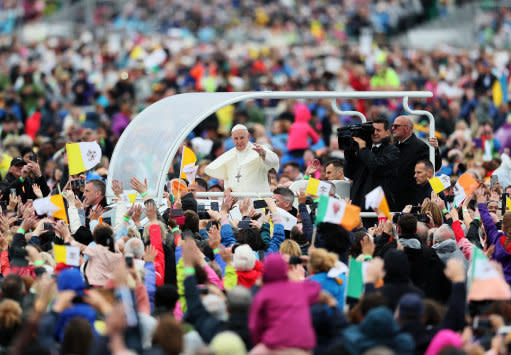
135 277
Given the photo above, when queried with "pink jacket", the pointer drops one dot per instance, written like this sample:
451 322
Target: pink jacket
280 314
300 131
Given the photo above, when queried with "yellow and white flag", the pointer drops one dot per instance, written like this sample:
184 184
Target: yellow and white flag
376 199
317 187
82 156
67 254
440 183
52 206
188 168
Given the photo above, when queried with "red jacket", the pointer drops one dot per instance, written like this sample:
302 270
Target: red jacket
159 262
248 278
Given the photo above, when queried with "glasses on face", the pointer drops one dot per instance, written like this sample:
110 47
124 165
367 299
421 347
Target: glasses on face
394 126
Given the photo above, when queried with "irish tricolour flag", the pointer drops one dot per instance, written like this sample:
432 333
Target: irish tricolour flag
485 281
333 210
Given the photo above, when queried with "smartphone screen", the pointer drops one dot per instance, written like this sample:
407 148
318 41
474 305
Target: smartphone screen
260 204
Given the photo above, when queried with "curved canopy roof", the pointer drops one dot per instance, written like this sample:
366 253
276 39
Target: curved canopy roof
148 145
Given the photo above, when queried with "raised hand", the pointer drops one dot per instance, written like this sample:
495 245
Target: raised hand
245 206
214 237
367 245
13 201
150 254
260 150
226 254
63 231
37 191
302 197
271 204
138 186
96 213
117 188
137 213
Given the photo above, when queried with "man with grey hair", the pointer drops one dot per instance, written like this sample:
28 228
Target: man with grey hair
135 248
245 167
422 232
445 246
411 150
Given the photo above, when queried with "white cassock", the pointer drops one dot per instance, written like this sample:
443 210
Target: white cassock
244 171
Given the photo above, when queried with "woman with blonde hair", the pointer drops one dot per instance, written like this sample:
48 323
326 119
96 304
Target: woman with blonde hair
290 247
431 208
10 321
327 270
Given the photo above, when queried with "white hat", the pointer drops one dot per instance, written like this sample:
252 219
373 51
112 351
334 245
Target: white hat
244 258
239 127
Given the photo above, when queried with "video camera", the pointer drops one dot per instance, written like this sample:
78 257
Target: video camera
345 135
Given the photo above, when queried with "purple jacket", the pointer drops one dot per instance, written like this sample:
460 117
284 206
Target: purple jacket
119 123
493 235
280 315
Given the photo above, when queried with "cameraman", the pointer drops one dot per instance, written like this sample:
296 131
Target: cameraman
372 166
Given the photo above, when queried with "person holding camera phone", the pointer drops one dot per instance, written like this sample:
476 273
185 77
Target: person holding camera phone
372 166
21 177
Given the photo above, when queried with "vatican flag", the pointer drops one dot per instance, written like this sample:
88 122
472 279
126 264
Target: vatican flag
82 156
188 167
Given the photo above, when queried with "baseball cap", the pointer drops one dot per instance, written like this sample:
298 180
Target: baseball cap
18 162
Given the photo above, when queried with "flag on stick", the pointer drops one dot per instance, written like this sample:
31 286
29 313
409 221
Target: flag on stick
465 185
376 199
82 156
486 282
67 254
188 169
333 210
355 279
317 187
440 183
52 206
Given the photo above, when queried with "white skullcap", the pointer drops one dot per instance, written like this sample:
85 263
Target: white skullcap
239 127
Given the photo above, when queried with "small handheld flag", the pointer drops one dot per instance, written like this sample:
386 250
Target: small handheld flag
317 187
376 199
440 183
52 206
465 185
333 210
188 168
67 254
82 156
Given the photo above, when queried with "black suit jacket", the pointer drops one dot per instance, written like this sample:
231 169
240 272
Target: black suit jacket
371 168
410 152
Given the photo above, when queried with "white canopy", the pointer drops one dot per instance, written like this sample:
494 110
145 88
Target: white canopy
150 142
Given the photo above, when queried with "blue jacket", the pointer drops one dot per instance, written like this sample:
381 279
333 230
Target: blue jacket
150 282
336 287
79 310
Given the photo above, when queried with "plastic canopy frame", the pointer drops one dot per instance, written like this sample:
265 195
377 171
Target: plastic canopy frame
149 143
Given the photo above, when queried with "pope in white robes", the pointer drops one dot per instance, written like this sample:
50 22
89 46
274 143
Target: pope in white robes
245 167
